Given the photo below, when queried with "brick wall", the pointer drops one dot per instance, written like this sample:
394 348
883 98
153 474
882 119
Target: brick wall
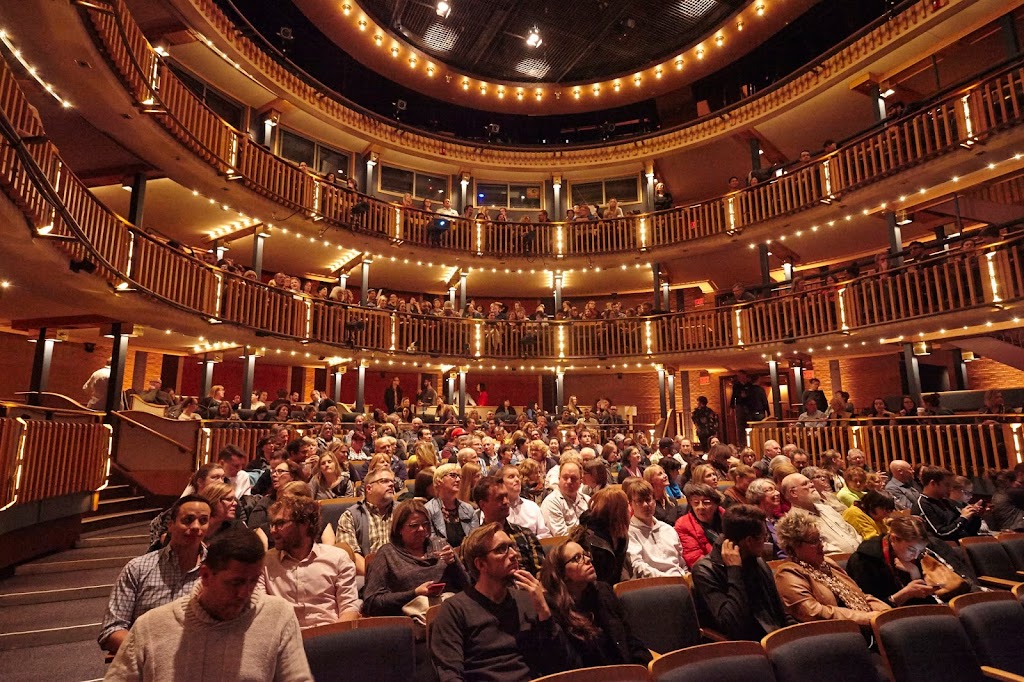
984 374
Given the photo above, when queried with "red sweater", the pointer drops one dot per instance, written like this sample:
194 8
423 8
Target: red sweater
695 543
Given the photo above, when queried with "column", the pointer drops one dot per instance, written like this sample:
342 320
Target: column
558 292
137 203
835 375
1011 41
462 290
773 370
666 299
766 268
661 392
361 388
451 387
877 102
686 426
366 279
672 390
339 372
798 383
557 212
559 391
451 295
913 374
248 370
649 186
257 252
462 392
120 334
40 380
139 370
755 154
960 382
656 280
206 376
895 240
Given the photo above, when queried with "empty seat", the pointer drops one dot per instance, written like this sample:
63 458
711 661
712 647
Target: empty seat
799 653
991 561
606 673
718 662
331 510
925 644
363 649
994 621
661 613
1013 543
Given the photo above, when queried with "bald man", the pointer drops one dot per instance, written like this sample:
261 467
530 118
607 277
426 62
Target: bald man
902 485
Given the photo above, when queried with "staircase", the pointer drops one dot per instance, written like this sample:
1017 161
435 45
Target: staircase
51 608
1006 347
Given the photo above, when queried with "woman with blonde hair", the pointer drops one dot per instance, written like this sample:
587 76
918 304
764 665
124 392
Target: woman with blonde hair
450 517
330 480
470 476
665 508
533 480
223 508
604 532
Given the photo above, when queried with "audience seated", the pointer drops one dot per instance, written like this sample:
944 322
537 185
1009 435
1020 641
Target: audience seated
563 507
837 534
868 514
654 549
942 519
492 498
366 526
700 527
450 517
604 533
733 586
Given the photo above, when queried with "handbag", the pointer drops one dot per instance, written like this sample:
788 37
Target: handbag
938 572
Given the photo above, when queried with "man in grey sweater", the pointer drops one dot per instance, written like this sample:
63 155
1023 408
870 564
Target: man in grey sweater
222 631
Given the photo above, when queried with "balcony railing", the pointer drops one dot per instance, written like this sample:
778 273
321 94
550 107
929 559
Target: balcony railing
960 443
56 202
959 118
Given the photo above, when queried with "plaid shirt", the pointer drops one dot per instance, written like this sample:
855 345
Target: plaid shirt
352 520
531 554
148 581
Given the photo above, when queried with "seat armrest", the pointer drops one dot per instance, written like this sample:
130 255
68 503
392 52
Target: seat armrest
1000 583
997 674
654 654
713 635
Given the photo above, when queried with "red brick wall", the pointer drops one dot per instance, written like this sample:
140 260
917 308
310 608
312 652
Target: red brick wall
984 374
70 368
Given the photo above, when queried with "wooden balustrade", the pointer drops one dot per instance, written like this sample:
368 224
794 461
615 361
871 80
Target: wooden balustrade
244 436
44 459
960 119
966 448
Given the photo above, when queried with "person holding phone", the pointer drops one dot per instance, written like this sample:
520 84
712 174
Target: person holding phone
889 567
407 568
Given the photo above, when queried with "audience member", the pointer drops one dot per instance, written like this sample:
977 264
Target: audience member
742 476
856 480
450 517
653 549
700 527
563 507
604 533
942 519
492 498
868 514
330 480
837 535
366 526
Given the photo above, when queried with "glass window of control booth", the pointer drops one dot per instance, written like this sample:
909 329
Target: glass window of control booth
507 195
399 181
626 190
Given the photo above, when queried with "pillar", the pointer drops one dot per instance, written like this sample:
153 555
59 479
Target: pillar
666 299
257 253
451 295
557 213
656 279
773 371
339 372
661 392
835 376
462 393
672 390
877 102
462 290
895 240
755 154
559 392
798 383
912 373
649 187
118 354
366 280
766 268
1011 40
40 380
451 388
960 382
558 292
137 203
206 376
248 371
361 388
139 370
686 402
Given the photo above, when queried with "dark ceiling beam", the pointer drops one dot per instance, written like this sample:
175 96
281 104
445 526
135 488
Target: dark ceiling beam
491 29
598 38
62 322
397 11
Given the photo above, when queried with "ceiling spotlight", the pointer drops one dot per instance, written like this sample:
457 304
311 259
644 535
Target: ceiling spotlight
443 9
430 70
719 39
759 10
533 38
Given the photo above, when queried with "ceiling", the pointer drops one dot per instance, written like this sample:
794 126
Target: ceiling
583 40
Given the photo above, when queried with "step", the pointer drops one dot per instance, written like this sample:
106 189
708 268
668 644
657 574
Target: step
52 616
101 552
102 521
113 541
55 595
40 568
63 635
136 528
70 662
40 582
119 504
115 491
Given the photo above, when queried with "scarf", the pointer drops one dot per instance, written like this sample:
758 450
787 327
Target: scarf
851 597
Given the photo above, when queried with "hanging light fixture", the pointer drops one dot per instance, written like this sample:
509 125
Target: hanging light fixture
443 9
533 38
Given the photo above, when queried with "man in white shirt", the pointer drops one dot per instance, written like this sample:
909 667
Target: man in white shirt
318 580
97 387
654 549
563 507
837 534
522 512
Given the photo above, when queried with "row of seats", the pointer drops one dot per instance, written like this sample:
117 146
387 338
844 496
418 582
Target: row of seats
978 636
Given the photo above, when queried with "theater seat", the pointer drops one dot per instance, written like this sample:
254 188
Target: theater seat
718 662
799 653
991 562
661 613
331 510
994 621
925 644
363 649
607 673
1013 543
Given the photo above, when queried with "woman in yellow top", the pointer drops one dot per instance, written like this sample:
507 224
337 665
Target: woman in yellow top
868 514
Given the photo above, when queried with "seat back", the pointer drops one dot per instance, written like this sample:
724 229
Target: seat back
840 558
924 644
331 510
1013 543
605 673
721 662
989 557
663 617
799 653
994 622
364 650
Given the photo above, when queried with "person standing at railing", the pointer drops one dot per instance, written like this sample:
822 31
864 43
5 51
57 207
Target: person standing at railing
662 197
97 386
749 401
705 421
812 416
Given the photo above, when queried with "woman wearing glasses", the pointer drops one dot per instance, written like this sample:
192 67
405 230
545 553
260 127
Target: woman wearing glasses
588 611
281 475
812 586
450 517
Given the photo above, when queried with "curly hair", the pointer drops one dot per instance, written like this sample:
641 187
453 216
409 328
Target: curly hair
795 527
560 600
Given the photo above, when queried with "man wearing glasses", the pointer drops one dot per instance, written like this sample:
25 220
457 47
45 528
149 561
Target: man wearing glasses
501 626
366 526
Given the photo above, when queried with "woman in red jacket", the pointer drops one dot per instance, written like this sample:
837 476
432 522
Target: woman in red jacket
700 527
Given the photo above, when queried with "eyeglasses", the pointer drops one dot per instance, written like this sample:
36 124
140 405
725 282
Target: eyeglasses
503 549
386 481
452 474
280 523
277 472
816 541
579 559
